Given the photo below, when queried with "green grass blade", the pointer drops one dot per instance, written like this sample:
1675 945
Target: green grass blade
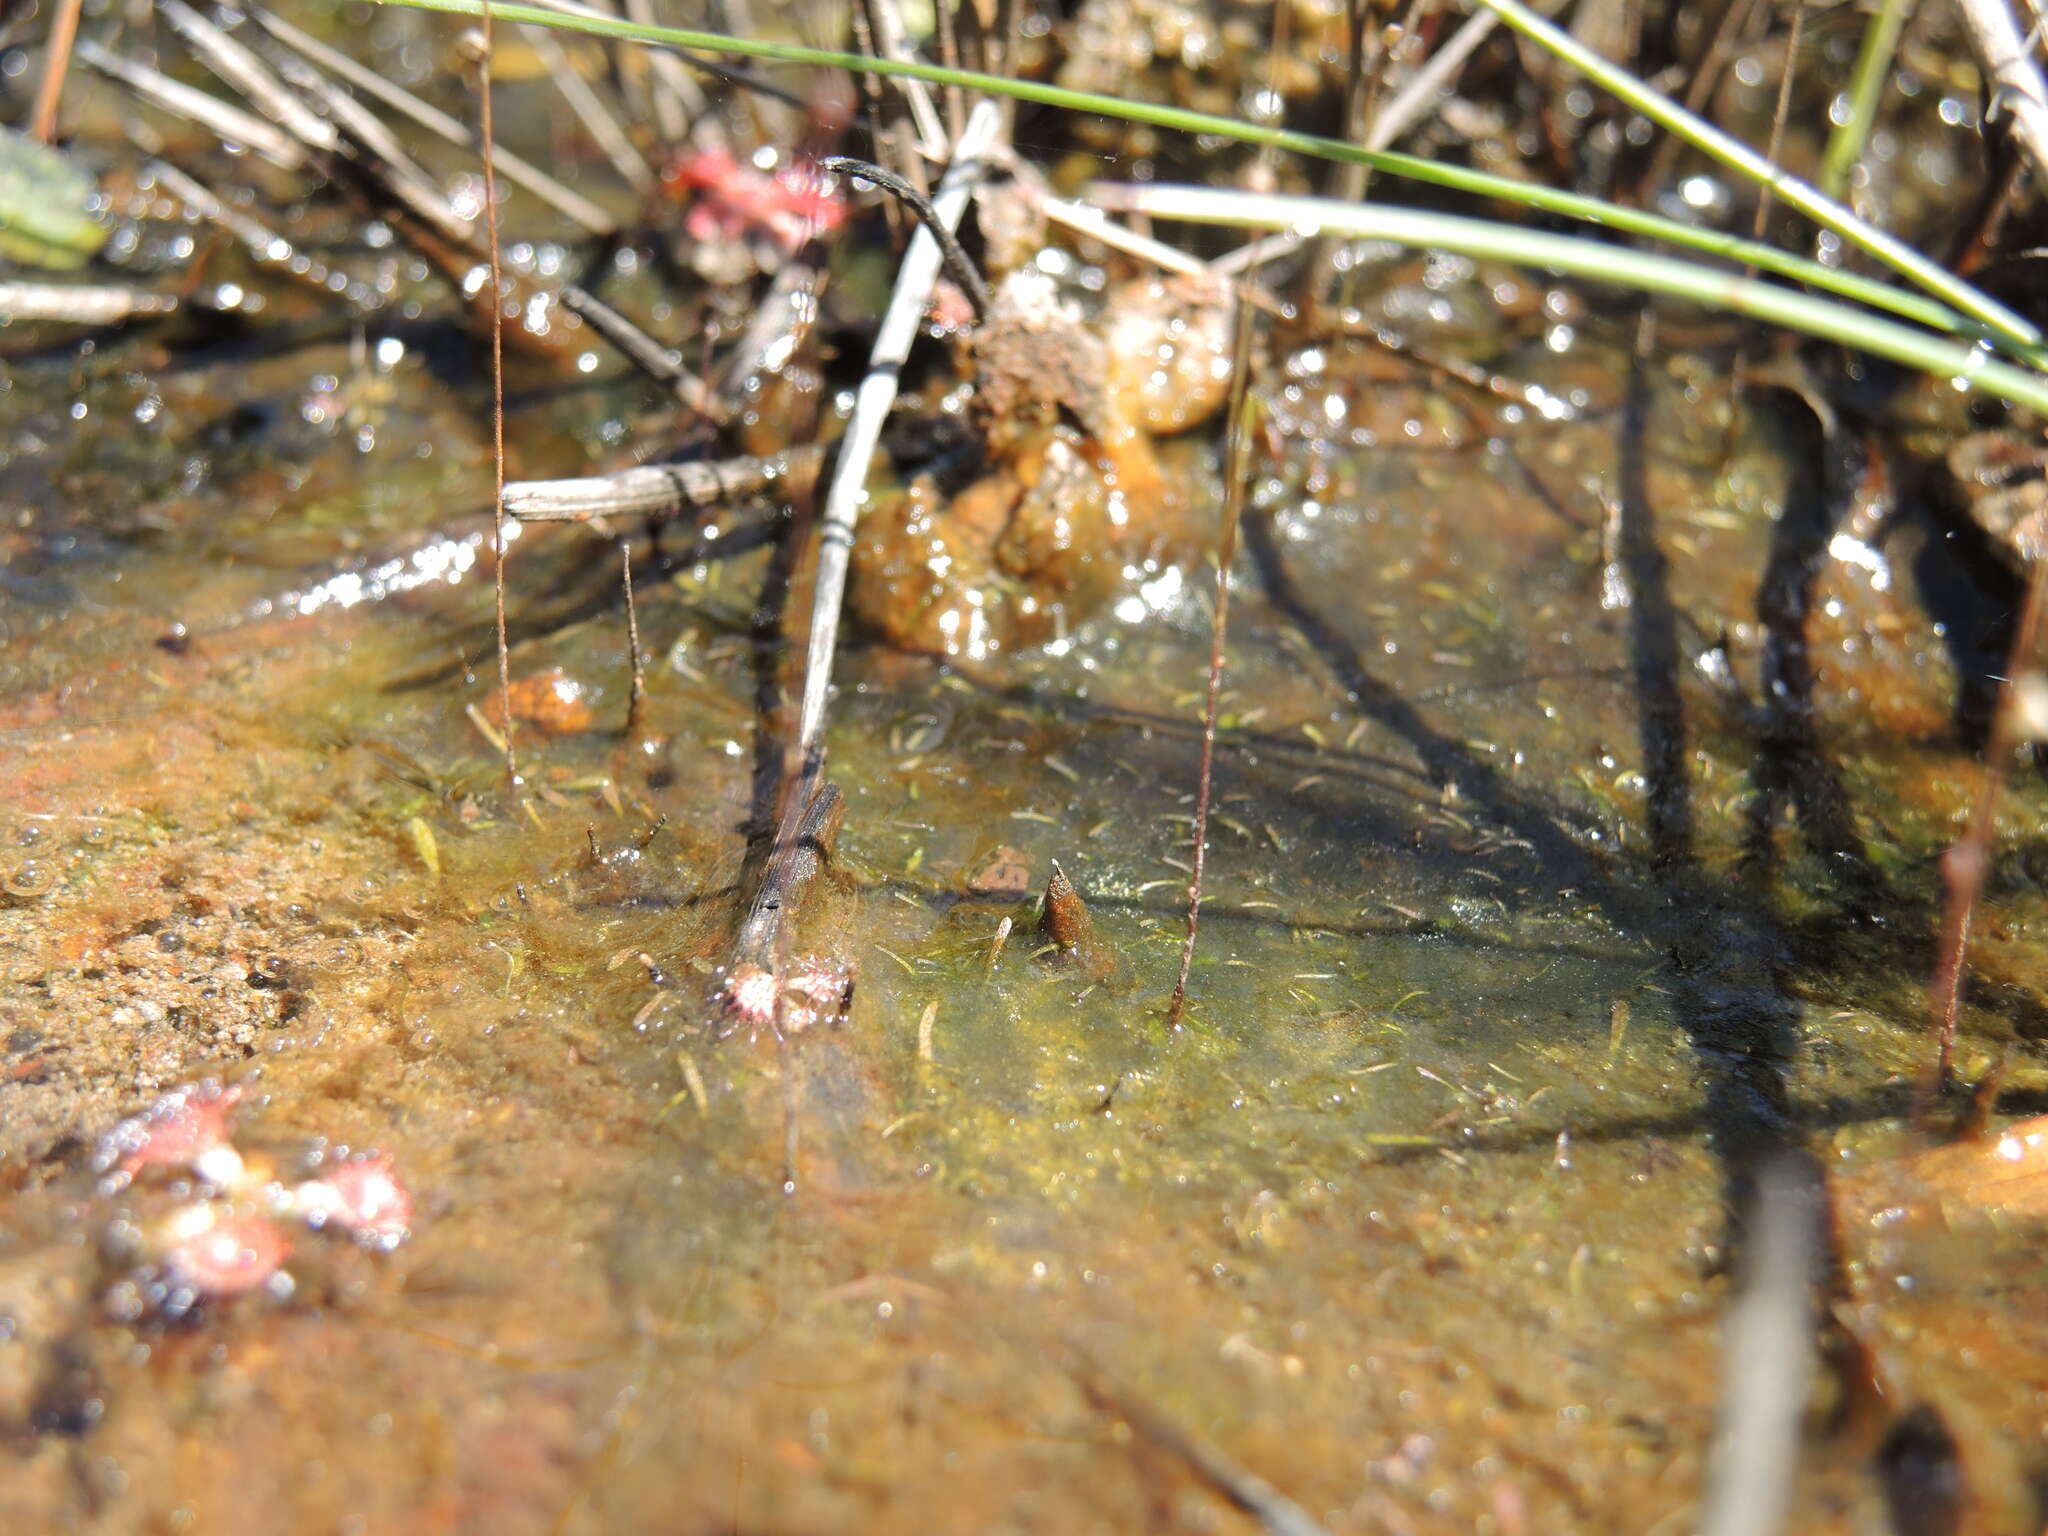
1873 68
1592 210
1970 367
1737 156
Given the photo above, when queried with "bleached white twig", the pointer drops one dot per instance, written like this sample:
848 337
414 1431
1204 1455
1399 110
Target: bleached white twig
1427 83
611 138
656 490
235 63
225 121
2003 48
871 407
1767 1354
79 304
1084 218
892 42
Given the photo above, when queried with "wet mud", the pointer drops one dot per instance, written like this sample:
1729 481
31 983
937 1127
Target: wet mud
1579 786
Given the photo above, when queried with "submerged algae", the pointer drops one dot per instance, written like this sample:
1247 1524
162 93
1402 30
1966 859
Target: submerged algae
1405 1220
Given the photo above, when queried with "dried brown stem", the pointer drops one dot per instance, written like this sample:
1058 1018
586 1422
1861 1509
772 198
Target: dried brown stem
636 698
1779 117
1236 478
56 64
1966 863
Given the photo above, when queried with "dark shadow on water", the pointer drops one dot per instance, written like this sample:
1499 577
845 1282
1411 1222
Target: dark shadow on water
1721 955
1790 768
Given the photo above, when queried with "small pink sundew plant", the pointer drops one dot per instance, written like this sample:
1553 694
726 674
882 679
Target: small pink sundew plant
815 992
732 201
226 1233
185 1129
212 1250
361 1196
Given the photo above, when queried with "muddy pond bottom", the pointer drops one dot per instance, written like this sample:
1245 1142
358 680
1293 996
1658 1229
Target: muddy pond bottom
1418 1224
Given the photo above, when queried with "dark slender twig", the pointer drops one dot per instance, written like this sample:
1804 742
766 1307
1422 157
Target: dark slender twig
1236 478
964 271
487 132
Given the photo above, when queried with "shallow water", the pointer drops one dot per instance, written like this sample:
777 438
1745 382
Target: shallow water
1531 929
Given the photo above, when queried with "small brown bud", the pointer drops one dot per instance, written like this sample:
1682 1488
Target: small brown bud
1065 922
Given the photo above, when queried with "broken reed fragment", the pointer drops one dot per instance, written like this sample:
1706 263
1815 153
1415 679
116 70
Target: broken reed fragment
663 490
81 304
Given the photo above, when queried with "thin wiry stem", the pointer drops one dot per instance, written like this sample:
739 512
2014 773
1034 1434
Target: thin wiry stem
1966 863
1782 115
1236 476
488 129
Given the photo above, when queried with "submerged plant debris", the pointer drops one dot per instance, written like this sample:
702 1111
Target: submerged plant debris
389 1146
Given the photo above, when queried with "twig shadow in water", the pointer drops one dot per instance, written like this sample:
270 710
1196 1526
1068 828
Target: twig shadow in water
1826 467
1719 955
